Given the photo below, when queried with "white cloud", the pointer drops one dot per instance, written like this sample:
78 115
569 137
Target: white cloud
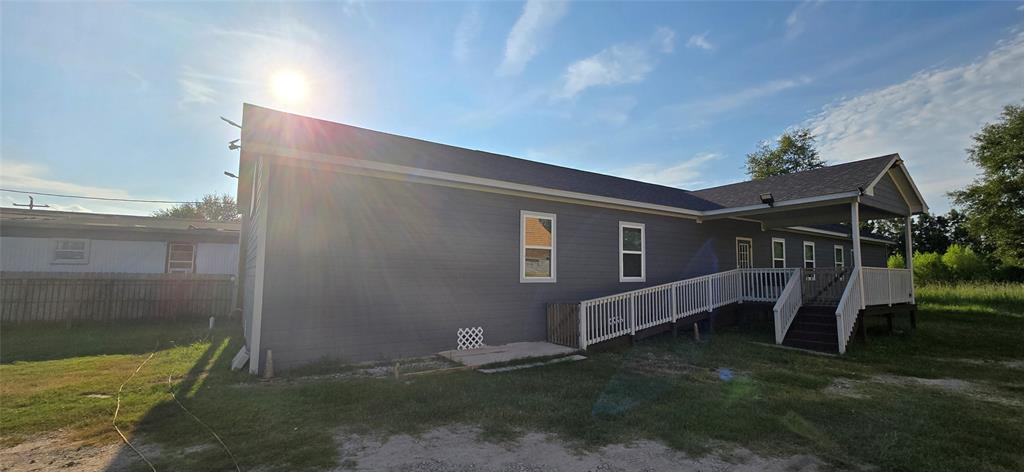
796 22
929 118
195 91
700 41
698 112
1020 8
529 30
618 64
32 177
687 173
665 38
467 32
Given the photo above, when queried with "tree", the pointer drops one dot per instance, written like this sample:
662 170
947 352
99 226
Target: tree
795 151
994 203
212 208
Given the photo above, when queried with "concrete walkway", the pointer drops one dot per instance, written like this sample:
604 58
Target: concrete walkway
508 352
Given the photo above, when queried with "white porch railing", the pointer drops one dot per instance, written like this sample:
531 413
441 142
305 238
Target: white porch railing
887 286
625 313
849 306
789 303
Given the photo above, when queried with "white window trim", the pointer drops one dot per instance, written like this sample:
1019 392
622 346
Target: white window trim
642 252
195 250
749 240
814 257
842 253
56 244
783 241
523 214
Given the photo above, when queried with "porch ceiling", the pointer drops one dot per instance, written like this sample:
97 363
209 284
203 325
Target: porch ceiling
826 214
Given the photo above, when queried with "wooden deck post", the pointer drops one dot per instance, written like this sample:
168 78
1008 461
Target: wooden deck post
908 260
855 235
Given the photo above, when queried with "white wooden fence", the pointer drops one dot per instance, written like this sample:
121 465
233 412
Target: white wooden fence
849 306
789 303
625 313
604 318
887 286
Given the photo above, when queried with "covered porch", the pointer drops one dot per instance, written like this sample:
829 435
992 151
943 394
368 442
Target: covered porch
812 307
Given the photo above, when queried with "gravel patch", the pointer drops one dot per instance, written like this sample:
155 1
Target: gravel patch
58 452
459 449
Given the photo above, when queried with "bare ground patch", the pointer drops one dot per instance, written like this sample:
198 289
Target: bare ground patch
58 452
459 449
851 388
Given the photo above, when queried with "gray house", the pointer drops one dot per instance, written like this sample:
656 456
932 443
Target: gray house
361 245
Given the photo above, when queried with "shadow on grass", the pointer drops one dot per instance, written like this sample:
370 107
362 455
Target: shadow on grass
211 366
49 341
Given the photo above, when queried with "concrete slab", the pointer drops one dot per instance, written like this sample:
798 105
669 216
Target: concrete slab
485 355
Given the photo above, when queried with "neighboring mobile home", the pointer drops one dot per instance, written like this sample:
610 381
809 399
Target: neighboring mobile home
361 245
61 241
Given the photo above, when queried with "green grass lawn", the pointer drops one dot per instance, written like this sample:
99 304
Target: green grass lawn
778 402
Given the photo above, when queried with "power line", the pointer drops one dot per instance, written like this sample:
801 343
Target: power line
109 199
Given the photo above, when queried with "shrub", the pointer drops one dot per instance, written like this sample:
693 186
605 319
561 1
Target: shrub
928 267
896 262
963 264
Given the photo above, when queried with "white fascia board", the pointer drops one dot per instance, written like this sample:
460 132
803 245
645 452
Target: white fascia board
820 200
870 190
464 179
825 232
913 186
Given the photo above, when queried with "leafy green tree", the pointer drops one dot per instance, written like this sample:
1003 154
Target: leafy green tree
793 152
962 263
928 267
896 261
211 208
931 233
994 203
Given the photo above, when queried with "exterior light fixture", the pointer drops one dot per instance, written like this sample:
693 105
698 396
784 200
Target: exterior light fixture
768 199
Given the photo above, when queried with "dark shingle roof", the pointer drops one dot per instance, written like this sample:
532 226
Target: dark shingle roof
840 178
80 220
289 131
312 135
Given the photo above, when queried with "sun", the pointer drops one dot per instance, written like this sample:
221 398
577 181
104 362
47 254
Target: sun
289 86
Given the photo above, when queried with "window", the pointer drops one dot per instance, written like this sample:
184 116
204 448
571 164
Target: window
778 252
537 247
840 253
744 253
808 255
71 251
632 260
181 257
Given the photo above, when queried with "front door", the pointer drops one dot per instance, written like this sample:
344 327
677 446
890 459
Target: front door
744 253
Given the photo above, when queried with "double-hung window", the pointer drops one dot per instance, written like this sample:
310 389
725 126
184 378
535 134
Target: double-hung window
840 256
181 257
778 253
537 247
632 257
71 251
808 255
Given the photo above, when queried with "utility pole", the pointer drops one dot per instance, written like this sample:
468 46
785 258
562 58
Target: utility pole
31 204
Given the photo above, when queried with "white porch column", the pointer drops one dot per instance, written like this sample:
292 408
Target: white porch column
855 234
909 258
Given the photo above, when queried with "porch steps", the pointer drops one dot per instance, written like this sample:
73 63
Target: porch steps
814 328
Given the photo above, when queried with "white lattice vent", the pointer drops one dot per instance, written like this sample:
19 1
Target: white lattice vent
470 338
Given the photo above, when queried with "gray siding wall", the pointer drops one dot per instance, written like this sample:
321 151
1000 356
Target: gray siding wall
887 197
361 268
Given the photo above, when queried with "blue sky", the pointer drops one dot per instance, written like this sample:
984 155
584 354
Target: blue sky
122 100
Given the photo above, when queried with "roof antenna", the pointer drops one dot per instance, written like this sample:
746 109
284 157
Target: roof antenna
31 204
